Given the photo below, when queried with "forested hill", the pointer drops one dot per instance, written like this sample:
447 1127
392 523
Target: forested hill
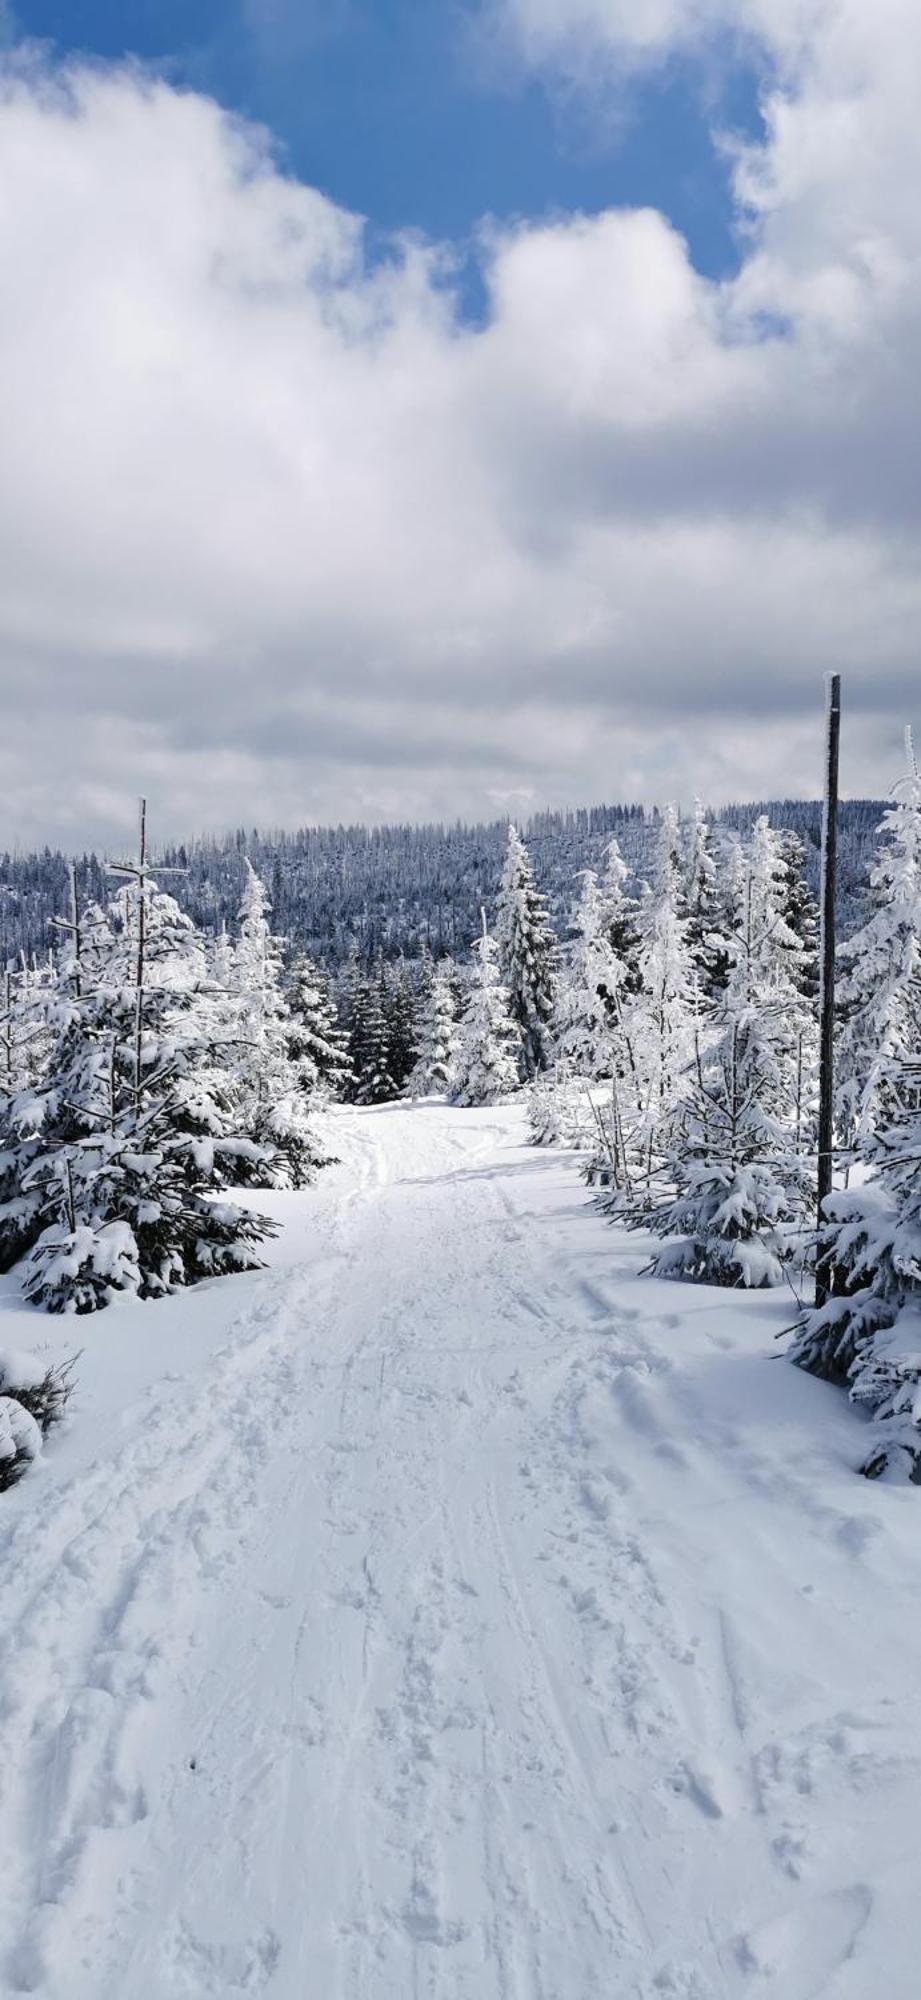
400 887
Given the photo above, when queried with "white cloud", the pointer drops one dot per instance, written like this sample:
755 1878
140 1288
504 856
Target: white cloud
281 539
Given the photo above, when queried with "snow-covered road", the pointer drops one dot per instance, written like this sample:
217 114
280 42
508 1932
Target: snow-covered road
451 1612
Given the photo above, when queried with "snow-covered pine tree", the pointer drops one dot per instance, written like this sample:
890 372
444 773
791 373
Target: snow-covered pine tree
400 1005
703 906
879 978
275 1103
434 1066
801 912
486 1066
621 917
666 1018
868 1334
592 1039
316 1043
368 1033
591 988
743 1187
133 1139
780 975
527 951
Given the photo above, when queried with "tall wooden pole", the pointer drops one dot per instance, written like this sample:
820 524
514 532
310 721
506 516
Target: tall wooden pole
823 1275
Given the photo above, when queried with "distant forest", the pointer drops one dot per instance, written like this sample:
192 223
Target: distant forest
402 889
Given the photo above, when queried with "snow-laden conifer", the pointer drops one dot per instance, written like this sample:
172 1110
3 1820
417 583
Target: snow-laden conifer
868 1334
486 1066
667 1013
703 907
275 1103
134 1136
367 1028
527 951
879 978
316 1043
433 1071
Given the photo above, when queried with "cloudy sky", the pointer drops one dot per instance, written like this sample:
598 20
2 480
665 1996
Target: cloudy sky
412 408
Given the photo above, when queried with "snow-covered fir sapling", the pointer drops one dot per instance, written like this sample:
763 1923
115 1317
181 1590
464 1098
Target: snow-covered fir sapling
667 1014
592 1039
879 973
369 1045
867 1336
276 1107
527 956
433 1070
487 1062
128 1155
703 906
316 1043
744 1188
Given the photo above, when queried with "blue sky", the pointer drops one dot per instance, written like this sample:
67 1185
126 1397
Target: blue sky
397 109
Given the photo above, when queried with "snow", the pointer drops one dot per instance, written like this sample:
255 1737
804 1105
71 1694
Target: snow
450 1611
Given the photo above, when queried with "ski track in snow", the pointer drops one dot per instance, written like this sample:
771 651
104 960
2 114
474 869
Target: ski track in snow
484 1624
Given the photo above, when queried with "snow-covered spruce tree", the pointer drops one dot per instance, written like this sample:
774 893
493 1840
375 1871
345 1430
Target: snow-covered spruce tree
276 1105
666 1017
316 1043
879 978
801 913
39 1016
703 909
621 917
133 1141
527 951
401 1009
868 1334
487 1062
433 1069
780 975
368 1035
592 1021
743 1189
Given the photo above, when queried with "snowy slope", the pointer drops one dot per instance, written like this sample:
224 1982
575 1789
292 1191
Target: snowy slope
451 1612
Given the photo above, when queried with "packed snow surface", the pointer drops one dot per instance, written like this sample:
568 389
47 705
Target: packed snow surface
450 1611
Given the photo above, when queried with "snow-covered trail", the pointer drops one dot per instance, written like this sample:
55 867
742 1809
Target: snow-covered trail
472 1619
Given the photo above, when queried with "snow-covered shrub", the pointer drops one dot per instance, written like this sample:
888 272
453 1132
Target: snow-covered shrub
20 1441
33 1398
43 1390
560 1109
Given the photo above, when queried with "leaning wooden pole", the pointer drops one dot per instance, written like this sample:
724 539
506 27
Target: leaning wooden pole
823 1273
